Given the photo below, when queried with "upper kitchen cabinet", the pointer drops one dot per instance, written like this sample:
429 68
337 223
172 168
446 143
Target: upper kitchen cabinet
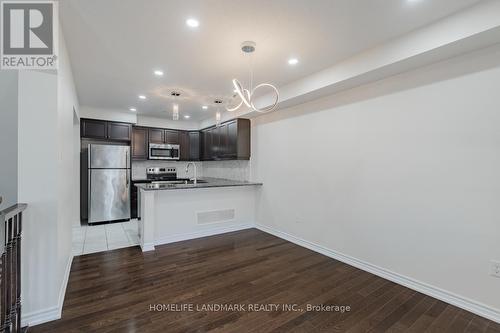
140 140
94 129
105 130
119 131
194 145
156 135
172 137
228 141
184 143
159 135
190 145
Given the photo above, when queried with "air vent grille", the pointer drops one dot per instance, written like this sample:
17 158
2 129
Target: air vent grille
215 216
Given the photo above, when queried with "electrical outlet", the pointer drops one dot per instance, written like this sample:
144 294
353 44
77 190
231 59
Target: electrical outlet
495 268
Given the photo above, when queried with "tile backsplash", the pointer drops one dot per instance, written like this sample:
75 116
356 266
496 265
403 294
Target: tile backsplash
234 170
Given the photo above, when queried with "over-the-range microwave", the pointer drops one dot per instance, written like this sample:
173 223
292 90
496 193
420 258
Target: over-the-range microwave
159 151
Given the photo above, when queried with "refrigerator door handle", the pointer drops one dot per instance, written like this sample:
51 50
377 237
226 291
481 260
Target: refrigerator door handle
89 191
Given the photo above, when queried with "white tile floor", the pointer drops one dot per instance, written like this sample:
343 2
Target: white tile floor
97 238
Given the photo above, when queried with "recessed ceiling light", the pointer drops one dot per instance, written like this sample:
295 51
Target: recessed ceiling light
187 117
204 107
158 72
133 109
192 23
293 61
142 97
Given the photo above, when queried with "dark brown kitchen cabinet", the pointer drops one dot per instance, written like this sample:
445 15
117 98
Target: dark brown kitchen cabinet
160 135
172 137
184 143
206 141
94 129
140 140
105 130
194 145
156 135
228 141
232 139
119 131
190 145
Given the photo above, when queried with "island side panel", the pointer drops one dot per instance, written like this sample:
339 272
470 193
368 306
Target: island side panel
147 221
194 213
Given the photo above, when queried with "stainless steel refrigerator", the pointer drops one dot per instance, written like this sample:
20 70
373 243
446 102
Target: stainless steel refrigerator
108 183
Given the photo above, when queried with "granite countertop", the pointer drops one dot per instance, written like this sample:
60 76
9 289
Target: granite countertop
202 183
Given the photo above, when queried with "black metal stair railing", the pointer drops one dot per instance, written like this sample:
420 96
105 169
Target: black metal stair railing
10 268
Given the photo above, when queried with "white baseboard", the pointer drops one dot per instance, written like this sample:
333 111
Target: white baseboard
204 233
146 247
40 317
52 313
443 295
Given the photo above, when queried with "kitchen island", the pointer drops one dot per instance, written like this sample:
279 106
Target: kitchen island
181 211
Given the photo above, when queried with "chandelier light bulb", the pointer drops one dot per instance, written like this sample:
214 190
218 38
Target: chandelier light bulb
175 111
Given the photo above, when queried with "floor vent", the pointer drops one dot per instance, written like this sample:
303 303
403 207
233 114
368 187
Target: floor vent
216 216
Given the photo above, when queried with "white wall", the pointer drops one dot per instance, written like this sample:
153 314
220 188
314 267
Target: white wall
402 174
8 138
48 183
166 123
134 118
107 114
38 183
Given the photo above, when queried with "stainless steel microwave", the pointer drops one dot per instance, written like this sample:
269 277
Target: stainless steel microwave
164 151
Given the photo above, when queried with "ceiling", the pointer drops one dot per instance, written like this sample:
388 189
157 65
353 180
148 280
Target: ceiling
115 45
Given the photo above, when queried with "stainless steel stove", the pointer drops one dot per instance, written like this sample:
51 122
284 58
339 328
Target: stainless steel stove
156 174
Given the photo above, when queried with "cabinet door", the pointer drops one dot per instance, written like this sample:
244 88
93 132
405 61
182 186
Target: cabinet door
172 137
184 143
215 147
194 146
95 129
119 131
207 144
232 139
139 143
156 135
223 140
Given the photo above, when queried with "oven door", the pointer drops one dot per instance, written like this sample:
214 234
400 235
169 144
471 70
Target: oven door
163 152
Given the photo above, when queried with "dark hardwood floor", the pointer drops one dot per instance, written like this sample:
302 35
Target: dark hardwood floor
112 292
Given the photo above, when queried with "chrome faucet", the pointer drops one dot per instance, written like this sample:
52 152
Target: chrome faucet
194 167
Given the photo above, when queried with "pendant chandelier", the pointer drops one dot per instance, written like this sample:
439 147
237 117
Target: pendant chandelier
246 95
217 114
175 106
